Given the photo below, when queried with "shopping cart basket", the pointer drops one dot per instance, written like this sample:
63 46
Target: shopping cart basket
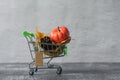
44 51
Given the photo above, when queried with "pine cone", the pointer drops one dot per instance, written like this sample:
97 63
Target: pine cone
46 43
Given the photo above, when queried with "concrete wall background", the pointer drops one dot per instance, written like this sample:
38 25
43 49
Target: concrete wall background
93 24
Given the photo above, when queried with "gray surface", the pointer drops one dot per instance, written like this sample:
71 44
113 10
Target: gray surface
93 24
71 71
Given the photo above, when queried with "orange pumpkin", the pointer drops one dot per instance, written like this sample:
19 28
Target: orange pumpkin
59 34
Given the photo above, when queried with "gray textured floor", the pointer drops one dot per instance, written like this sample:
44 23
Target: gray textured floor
71 71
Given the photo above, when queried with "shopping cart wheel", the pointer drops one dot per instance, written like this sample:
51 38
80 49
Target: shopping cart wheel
59 70
31 72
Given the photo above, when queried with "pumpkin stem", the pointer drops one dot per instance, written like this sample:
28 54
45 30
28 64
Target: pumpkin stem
58 28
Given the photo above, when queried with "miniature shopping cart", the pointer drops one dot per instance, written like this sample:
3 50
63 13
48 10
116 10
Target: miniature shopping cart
41 51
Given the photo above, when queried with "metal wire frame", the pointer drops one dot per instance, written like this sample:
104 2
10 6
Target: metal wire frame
33 51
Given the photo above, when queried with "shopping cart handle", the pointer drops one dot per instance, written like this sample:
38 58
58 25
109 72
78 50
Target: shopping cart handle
28 34
65 51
